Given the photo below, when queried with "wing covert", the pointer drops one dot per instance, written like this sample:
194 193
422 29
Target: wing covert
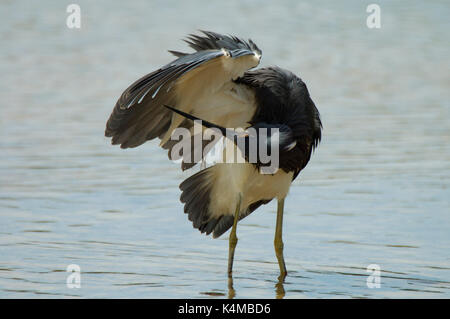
200 83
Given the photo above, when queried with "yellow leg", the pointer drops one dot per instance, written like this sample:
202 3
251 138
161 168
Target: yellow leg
233 238
278 242
231 291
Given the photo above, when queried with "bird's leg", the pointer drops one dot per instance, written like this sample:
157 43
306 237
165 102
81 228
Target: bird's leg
231 291
233 238
278 242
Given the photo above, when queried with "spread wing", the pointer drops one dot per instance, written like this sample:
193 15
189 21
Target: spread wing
199 83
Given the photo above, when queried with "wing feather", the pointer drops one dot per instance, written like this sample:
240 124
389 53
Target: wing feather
200 83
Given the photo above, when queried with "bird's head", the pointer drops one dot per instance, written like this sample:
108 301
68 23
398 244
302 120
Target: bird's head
284 98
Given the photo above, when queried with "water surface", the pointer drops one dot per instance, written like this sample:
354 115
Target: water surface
375 192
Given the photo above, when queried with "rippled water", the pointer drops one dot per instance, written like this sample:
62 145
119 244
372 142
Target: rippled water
375 192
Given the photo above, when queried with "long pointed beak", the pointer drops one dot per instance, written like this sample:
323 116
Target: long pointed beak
194 118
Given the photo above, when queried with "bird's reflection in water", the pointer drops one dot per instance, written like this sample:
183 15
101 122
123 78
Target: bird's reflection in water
279 288
231 291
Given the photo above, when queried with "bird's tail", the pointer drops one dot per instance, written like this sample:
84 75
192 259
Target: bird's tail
197 196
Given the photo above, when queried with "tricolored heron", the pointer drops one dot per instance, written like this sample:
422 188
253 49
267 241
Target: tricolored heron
214 84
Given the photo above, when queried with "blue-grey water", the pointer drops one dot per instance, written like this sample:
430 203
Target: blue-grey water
375 192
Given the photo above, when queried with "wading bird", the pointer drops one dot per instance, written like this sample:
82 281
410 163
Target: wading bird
215 84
